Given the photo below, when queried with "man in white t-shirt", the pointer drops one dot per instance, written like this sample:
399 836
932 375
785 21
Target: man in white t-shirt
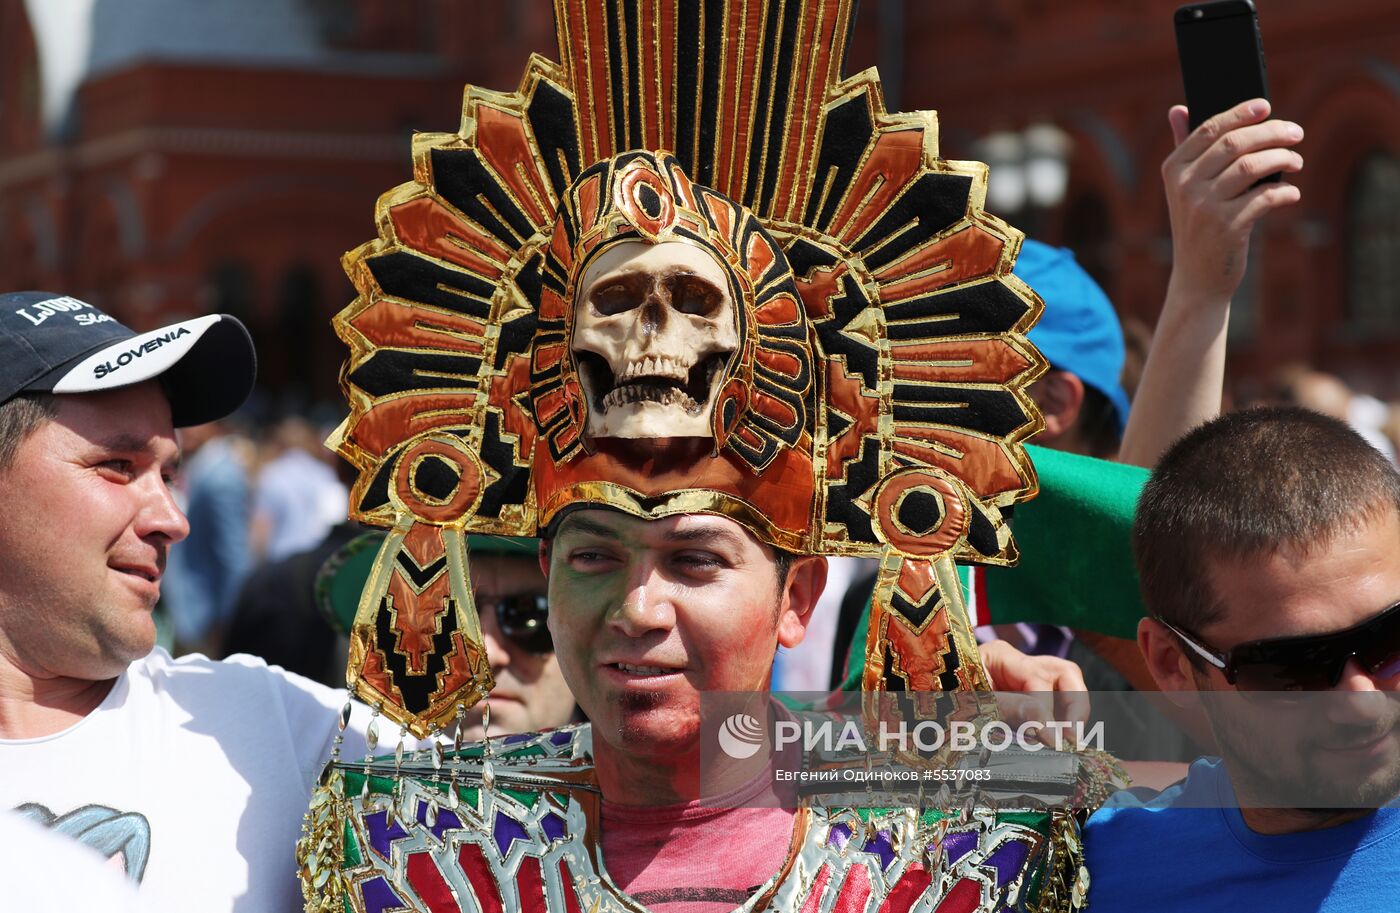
187 775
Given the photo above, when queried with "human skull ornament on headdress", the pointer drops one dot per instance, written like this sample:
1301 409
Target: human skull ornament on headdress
820 336
655 325
654 329
665 292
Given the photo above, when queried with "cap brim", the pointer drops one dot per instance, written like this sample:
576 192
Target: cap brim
206 365
342 578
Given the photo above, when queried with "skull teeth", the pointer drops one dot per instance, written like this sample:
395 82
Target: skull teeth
654 366
646 392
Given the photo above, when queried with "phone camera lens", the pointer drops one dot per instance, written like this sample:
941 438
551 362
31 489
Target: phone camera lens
1197 13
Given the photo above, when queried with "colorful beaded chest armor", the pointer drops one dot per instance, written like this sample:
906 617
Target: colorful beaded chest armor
512 826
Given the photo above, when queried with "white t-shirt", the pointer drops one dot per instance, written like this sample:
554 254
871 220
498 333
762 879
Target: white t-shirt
193 775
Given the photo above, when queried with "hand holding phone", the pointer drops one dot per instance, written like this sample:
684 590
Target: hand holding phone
1222 179
1214 191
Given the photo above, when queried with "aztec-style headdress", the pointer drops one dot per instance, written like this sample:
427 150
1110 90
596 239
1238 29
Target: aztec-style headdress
824 341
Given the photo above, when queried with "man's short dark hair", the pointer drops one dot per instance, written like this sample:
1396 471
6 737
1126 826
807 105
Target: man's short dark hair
19 418
1249 484
782 565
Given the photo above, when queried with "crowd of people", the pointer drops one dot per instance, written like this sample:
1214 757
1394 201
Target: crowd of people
252 503
1266 539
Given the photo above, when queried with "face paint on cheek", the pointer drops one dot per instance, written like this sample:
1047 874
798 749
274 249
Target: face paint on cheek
573 592
568 612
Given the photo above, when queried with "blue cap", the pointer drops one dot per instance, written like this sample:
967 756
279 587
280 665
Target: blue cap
1079 331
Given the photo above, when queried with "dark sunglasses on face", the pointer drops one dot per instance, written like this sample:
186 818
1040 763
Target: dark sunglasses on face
1311 662
522 618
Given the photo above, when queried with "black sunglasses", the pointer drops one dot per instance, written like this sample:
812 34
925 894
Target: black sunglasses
523 618
1311 662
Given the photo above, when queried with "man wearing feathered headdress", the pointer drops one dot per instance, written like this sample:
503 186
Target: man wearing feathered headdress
698 311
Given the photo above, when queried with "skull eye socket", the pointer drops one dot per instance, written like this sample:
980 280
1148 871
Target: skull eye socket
620 295
691 294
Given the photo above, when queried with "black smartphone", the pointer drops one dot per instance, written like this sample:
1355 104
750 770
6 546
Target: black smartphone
1222 56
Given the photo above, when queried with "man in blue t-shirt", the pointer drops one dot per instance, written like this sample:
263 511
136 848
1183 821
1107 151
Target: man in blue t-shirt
1268 545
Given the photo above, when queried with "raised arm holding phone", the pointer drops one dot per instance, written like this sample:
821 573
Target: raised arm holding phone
1218 186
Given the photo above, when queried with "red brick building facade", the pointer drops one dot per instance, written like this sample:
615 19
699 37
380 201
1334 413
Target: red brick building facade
1324 282
181 178
181 183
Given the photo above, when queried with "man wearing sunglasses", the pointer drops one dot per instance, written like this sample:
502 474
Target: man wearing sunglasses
1268 544
508 587
530 692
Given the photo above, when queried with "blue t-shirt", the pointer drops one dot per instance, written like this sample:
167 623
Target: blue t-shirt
1158 855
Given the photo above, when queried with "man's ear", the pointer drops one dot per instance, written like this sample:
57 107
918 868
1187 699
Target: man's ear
1165 657
1060 395
1172 670
805 582
544 558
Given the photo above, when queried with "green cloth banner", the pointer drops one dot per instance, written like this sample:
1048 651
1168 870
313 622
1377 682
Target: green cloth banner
1076 566
1075 537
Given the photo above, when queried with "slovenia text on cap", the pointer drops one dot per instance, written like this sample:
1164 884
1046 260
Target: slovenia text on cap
58 344
1079 331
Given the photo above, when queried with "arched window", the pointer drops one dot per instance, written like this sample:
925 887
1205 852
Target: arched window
1373 244
302 329
230 289
1088 231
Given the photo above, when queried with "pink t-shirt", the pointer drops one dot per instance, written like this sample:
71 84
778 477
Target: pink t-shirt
706 856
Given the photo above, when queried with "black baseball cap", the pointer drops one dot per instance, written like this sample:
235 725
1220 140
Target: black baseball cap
59 344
